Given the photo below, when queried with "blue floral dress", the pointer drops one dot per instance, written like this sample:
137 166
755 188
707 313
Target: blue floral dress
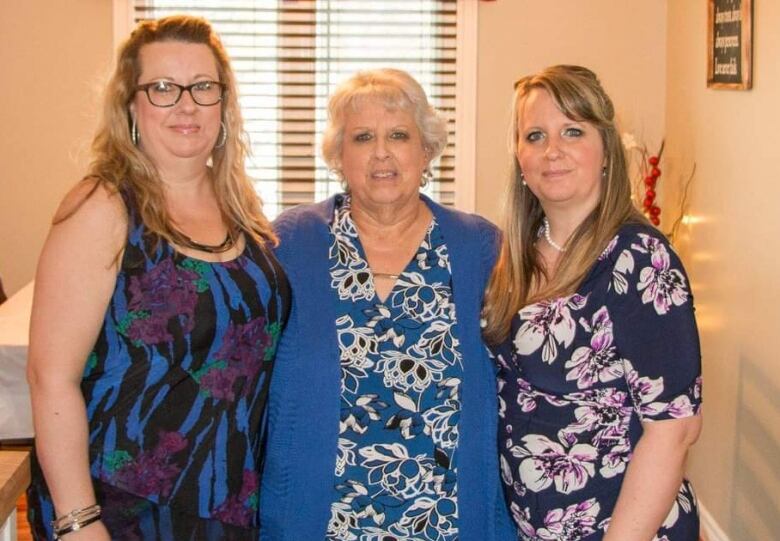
396 469
175 390
577 377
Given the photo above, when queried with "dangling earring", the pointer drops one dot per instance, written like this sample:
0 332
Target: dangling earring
604 172
134 133
522 180
427 177
223 139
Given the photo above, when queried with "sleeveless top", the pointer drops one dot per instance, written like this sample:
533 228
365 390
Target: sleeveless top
177 382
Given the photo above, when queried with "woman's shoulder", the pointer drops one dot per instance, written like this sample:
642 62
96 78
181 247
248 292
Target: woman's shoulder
641 228
91 196
634 237
94 207
88 231
642 261
303 231
469 235
459 226
302 216
459 218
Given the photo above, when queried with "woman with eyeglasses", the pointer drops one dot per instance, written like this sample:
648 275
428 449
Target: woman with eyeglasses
157 308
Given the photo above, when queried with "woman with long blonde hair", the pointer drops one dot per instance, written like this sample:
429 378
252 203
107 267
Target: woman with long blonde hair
158 304
590 317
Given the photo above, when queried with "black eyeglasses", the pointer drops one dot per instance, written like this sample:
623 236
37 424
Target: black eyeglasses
168 94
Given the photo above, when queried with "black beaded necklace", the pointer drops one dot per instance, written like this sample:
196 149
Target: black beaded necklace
224 246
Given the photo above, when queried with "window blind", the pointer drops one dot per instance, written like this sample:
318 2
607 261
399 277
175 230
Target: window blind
289 54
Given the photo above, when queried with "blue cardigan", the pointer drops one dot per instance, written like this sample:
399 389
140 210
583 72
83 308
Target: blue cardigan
304 402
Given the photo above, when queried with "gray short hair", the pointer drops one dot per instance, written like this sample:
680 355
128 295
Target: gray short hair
394 88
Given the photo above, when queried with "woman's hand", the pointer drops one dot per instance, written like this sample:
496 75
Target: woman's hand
653 478
74 283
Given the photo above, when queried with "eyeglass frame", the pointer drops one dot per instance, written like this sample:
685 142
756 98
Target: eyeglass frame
182 88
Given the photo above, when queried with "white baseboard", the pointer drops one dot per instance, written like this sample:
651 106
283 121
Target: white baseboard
710 531
8 528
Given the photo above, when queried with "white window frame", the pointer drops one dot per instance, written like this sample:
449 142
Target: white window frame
466 110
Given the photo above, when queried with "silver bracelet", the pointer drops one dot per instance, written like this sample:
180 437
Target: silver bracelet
75 520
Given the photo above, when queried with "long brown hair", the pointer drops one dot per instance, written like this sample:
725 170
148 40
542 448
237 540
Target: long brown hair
120 166
519 277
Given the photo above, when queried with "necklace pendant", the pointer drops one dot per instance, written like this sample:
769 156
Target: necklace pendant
386 275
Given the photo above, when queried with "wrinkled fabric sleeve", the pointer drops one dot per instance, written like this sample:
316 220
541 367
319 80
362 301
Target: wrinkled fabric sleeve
655 328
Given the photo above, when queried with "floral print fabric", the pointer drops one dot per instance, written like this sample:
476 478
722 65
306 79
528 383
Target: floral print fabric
579 374
176 385
396 471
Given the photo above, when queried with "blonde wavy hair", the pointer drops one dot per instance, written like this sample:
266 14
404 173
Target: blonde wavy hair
519 277
396 90
121 166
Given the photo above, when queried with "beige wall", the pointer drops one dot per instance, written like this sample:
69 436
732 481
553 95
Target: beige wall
52 58
731 254
624 42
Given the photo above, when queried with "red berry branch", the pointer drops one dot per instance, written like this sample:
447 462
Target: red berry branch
651 210
647 181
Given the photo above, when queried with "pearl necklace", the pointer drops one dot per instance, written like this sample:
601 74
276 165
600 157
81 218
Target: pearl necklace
548 238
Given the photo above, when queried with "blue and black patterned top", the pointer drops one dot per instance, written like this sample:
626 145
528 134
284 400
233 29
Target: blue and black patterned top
304 408
578 377
176 388
401 370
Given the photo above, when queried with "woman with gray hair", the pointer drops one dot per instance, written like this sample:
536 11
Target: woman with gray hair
383 407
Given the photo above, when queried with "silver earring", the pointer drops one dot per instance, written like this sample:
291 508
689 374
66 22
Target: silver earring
223 139
427 177
134 133
604 172
522 179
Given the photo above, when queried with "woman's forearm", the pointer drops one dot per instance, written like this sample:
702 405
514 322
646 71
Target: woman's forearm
61 443
652 480
74 282
649 489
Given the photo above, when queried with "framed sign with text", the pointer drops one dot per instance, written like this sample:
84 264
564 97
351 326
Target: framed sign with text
729 44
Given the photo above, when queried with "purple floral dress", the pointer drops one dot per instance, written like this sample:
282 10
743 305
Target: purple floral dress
176 389
579 375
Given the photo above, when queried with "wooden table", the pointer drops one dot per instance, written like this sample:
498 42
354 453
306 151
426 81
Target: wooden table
14 479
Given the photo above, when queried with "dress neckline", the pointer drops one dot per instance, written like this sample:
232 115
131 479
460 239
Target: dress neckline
353 234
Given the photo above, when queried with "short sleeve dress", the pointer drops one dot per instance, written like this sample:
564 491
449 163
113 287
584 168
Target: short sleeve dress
175 390
579 375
